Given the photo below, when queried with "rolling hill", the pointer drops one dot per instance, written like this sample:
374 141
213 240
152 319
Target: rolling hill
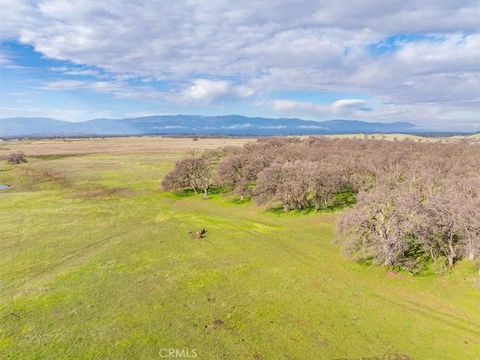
194 125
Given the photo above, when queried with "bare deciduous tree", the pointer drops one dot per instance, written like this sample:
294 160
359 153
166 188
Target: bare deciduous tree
194 172
440 232
17 158
416 201
379 227
325 179
287 183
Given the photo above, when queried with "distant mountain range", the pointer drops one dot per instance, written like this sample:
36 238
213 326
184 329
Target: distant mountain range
229 125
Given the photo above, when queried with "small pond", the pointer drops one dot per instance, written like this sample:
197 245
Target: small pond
4 187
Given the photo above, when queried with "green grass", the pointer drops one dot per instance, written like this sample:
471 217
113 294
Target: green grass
96 262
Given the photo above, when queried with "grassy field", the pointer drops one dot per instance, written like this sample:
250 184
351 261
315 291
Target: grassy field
96 263
409 137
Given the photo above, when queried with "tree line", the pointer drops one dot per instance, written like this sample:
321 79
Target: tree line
415 203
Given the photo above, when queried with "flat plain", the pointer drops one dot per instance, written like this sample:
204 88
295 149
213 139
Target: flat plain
96 262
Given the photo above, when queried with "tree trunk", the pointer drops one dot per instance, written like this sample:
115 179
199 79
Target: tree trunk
471 251
451 253
388 254
450 261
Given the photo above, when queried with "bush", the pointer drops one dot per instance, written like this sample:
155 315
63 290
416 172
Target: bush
17 158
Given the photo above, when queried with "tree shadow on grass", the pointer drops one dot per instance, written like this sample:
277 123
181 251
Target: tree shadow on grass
240 201
279 211
186 193
183 193
339 202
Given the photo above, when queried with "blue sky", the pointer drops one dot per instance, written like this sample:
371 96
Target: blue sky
373 61
26 79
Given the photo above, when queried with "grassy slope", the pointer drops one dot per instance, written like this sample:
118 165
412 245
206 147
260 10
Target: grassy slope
476 136
409 137
96 263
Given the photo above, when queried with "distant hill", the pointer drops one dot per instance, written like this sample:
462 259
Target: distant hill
194 125
476 136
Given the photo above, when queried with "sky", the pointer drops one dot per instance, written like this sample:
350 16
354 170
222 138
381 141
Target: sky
385 61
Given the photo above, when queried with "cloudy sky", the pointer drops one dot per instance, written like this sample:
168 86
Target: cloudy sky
415 61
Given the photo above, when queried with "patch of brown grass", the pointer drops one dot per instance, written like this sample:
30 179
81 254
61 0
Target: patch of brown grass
147 144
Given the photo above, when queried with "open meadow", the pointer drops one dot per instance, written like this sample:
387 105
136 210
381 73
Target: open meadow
96 263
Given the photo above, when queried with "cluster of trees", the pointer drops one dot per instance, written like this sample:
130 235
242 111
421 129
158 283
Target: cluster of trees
17 158
414 218
297 174
415 202
193 172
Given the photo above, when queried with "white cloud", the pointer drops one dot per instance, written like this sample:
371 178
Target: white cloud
346 104
76 71
292 107
4 60
256 48
67 112
119 89
206 91
343 107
